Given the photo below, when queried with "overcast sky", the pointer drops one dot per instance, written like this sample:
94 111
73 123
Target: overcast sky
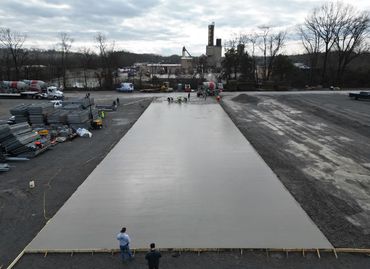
151 26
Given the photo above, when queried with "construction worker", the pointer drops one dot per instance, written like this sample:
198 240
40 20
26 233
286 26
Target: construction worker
124 244
153 257
102 114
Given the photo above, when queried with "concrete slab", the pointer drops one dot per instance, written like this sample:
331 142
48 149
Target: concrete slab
183 177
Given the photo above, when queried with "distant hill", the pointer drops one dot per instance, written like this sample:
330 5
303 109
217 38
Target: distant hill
120 59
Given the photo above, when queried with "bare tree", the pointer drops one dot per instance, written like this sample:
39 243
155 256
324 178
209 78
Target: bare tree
263 48
6 65
231 59
106 51
327 22
350 40
13 42
275 44
52 64
270 45
233 42
65 47
86 58
312 44
323 21
338 29
252 43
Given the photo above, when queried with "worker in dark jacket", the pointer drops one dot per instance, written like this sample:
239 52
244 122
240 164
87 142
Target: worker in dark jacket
153 257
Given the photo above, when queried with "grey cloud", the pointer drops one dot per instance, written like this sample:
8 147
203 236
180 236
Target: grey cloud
151 20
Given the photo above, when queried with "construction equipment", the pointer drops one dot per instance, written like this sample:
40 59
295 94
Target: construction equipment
185 50
95 120
43 132
210 88
97 123
166 87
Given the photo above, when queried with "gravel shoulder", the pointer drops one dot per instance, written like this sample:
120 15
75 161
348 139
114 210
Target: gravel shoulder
318 146
222 260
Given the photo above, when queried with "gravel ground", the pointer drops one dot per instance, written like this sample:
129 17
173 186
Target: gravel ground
229 260
57 173
318 145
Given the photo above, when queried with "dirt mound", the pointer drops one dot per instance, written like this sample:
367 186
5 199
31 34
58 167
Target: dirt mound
245 98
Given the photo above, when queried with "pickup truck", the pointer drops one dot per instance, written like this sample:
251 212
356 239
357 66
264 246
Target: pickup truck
360 95
52 92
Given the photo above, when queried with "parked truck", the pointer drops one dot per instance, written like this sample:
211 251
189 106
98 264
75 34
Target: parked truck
52 92
361 95
29 89
210 88
35 85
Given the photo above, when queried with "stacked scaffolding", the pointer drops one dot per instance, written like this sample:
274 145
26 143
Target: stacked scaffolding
84 103
20 112
58 117
20 140
79 119
39 112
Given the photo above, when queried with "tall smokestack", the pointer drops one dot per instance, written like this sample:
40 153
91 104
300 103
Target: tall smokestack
211 33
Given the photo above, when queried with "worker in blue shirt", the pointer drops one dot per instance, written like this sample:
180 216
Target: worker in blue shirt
124 244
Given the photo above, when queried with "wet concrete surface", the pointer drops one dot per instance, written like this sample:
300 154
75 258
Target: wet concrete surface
183 176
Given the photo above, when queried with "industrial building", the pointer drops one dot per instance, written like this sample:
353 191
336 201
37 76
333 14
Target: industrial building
187 63
151 69
213 52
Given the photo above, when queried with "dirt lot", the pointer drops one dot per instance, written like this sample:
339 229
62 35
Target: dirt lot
57 173
318 145
223 260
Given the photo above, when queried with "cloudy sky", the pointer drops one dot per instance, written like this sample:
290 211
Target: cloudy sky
152 26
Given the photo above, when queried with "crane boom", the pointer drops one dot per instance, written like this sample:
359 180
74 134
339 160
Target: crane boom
185 50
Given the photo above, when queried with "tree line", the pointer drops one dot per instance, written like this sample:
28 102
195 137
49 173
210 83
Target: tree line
17 62
333 36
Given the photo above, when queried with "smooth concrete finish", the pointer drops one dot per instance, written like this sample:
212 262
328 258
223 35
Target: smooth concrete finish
183 177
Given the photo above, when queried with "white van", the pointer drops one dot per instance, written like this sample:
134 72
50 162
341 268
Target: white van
126 87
